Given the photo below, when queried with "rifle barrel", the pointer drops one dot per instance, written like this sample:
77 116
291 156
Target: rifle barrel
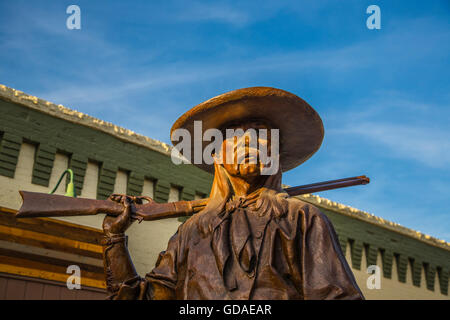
327 185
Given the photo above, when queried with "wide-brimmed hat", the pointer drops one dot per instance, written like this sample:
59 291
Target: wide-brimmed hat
301 128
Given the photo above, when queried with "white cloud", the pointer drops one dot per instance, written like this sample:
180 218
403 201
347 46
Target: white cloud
427 145
402 126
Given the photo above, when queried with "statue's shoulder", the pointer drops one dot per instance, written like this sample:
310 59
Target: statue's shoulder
310 211
187 225
296 203
190 227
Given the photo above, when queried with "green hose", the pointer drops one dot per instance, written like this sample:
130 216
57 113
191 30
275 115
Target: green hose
70 191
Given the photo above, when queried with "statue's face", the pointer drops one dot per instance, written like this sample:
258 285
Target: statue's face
245 160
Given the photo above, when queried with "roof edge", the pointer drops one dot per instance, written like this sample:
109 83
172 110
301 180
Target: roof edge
71 115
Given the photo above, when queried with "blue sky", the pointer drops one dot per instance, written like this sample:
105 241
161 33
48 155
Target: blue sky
383 94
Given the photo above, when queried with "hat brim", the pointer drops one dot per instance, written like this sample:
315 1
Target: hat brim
301 128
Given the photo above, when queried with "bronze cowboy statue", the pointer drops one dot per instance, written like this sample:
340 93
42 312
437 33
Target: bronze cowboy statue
250 239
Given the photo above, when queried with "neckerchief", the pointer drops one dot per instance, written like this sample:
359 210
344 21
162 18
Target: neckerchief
234 231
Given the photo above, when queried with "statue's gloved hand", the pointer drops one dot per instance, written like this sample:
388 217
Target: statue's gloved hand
119 224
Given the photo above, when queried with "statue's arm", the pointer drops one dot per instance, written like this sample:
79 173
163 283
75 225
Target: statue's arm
122 280
117 264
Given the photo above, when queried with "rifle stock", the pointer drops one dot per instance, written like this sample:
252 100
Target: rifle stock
37 204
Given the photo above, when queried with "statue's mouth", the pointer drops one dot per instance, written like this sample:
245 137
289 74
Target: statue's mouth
248 155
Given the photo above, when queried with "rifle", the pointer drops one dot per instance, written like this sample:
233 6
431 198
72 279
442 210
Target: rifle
36 204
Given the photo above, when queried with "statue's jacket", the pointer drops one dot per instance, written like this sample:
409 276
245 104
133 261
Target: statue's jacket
292 253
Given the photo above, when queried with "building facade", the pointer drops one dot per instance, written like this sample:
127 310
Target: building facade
40 140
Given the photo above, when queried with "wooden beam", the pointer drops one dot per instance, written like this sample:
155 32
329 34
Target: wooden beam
43 240
27 268
51 226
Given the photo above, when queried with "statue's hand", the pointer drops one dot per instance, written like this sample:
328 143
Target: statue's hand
119 224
